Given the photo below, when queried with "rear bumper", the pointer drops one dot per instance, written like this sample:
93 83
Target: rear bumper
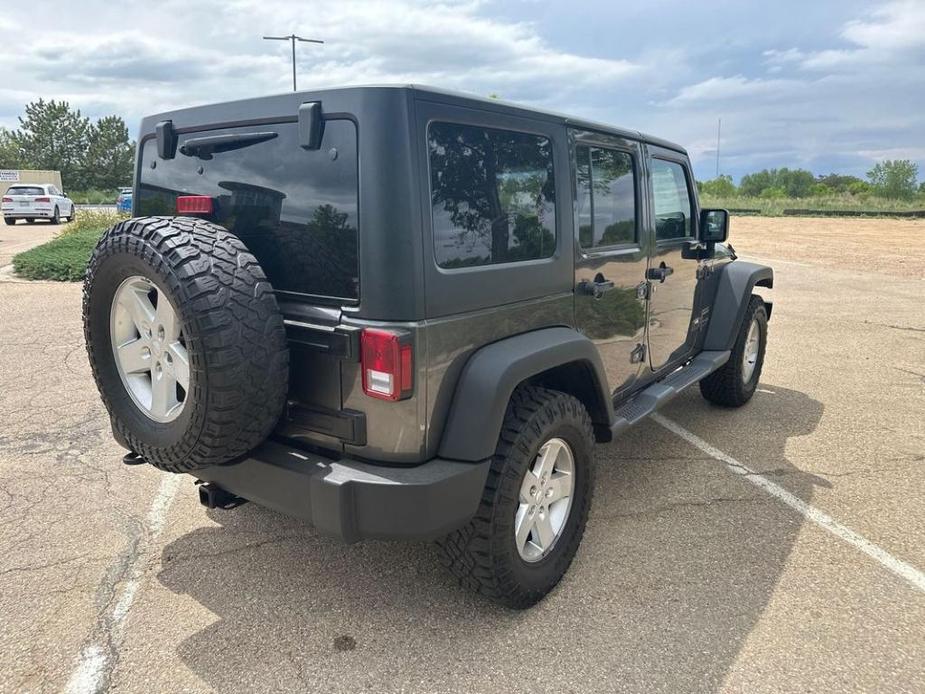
16 213
352 500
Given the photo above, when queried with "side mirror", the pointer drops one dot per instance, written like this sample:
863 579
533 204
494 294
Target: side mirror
714 226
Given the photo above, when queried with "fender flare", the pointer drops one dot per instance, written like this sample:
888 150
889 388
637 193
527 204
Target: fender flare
733 291
492 373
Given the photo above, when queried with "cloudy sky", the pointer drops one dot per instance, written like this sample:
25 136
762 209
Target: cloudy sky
829 85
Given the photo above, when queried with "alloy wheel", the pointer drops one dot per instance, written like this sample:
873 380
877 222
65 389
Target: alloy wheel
150 349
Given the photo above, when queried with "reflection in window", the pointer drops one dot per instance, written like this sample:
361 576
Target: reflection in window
671 200
606 197
295 210
492 195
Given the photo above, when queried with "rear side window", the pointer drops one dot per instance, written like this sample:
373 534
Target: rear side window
296 210
671 199
606 197
25 190
492 195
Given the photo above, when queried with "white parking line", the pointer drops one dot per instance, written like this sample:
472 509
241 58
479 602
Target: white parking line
97 659
823 520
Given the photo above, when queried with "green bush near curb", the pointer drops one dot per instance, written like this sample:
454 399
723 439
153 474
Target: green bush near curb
65 257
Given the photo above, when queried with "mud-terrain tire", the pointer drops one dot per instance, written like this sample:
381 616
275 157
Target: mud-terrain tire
484 554
735 382
229 324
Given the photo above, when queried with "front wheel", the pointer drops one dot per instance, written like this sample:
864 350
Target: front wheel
734 384
535 505
9 220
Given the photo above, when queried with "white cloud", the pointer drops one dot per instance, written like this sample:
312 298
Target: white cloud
185 53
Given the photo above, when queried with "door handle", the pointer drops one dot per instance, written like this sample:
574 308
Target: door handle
595 288
659 273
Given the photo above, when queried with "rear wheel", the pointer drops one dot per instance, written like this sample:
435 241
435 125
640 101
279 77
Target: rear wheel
30 220
535 504
185 340
56 217
9 220
73 214
734 384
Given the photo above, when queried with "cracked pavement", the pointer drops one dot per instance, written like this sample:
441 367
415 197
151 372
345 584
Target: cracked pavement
689 578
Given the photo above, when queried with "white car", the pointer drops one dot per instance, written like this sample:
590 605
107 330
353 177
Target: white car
31 201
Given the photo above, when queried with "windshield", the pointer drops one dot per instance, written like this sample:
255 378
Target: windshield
25 190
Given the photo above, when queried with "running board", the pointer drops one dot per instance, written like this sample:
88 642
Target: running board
664 391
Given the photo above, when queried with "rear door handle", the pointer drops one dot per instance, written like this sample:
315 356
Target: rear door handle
659 273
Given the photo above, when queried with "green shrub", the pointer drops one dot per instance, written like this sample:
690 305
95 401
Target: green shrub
93 197
65 257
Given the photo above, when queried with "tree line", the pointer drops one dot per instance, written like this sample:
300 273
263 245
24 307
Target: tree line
890 179
53 136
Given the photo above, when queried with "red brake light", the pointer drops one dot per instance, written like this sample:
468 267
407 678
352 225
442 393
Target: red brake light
194 204
6 199
387 364
42 200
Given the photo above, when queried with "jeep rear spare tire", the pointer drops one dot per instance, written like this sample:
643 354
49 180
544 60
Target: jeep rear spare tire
186 341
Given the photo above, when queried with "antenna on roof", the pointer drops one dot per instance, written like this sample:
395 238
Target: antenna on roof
292 38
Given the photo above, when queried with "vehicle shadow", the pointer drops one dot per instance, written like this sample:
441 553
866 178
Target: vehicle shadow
679 561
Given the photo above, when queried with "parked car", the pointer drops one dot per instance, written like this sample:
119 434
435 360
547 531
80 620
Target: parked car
124 201
31 201
417 333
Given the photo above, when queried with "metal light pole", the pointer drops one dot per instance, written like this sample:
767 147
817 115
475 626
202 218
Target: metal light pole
292 38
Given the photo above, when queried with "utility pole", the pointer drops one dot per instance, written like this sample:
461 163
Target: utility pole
292 38
719 125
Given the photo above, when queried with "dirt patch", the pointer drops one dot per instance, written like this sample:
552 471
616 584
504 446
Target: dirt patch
893 247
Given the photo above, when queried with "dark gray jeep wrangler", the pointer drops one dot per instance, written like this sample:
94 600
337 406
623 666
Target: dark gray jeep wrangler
398 312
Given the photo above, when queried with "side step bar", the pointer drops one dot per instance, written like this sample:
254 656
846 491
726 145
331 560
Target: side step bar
659 394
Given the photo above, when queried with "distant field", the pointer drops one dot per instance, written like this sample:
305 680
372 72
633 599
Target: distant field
775 206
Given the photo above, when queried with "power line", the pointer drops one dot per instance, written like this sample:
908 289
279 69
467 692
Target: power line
292 38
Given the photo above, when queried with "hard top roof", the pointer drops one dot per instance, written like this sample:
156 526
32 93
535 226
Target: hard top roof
432 93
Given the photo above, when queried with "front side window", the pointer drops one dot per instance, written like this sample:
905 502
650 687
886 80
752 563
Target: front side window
606 197
672 201
492 195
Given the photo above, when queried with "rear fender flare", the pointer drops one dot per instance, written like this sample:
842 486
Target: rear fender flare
493 372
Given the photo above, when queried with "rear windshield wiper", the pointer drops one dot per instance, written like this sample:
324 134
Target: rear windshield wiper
205 147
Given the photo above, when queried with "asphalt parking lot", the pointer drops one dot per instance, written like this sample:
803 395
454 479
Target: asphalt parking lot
778 547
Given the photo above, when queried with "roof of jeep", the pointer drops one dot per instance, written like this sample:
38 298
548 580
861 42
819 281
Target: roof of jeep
259 106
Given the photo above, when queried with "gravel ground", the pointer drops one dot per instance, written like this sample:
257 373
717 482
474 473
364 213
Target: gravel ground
691 577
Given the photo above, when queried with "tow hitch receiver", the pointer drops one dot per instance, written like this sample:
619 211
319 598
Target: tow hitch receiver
213 496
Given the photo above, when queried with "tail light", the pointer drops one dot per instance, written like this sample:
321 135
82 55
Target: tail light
42 200
194 204
6 199
387 361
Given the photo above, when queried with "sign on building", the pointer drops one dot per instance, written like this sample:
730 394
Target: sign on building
9 175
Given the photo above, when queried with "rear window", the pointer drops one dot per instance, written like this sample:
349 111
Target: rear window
492 195
24 190
296 210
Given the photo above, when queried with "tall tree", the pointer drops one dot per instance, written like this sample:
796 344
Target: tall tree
894 178
108 160
54 137
10 154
